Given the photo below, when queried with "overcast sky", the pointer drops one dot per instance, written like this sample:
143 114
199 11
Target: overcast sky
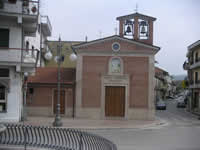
176 27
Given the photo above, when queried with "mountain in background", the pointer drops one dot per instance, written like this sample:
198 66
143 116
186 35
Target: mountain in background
179 77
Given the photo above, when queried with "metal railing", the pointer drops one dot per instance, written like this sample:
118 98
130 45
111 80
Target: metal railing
45 20
53 138
191 81
197 81
29 56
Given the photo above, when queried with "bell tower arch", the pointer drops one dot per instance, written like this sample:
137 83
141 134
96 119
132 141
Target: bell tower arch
137 26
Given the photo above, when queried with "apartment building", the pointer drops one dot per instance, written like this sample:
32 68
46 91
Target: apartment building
164 85
23 34
192 65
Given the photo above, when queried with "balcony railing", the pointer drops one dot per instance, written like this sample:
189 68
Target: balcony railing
46 25
194 84
18 55
197 82
195 65
53 138
197 60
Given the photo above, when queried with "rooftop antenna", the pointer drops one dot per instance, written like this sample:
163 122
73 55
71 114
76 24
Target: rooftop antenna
100 34
86 38
115 30
136 8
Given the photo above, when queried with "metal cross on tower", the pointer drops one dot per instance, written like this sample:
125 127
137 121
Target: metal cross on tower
136 8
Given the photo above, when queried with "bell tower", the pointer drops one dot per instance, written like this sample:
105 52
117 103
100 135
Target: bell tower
137 26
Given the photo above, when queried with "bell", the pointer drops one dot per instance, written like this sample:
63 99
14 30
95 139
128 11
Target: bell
143 30
128 30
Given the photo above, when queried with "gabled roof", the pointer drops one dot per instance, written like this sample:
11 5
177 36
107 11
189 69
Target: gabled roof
81 45
136 15
49 75
66 50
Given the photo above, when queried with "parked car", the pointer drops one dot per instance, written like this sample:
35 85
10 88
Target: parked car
181 104
161 105
170 97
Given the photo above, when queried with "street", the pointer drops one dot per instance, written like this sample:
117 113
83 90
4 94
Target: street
182 132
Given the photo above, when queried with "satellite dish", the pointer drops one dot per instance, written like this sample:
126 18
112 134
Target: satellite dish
73 57
48 55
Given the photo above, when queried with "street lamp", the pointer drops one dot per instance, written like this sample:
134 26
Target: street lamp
57 122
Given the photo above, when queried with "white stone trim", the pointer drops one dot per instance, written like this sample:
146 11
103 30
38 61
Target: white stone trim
110 80
121 52
110 66
79 65
113 47
115 37
151 84
114 54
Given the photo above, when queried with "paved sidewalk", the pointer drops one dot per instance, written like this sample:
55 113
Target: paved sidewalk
94 124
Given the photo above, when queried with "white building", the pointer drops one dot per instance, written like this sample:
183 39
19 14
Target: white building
23 32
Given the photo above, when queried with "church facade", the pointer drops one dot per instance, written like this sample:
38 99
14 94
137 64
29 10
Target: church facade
115 75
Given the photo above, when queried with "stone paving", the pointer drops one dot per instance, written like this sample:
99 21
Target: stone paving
86 124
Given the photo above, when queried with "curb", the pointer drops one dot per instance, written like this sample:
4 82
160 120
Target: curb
152 125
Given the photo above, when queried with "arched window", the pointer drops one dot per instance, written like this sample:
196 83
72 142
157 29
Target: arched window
115 66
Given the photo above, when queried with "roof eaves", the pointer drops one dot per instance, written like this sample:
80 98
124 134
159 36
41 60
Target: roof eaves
193 45
137 15
117 36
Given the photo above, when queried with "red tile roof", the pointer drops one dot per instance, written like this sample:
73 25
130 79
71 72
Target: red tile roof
50 74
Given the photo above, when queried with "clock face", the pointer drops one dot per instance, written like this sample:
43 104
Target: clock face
115 47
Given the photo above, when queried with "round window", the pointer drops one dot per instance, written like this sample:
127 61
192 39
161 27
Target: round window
115 46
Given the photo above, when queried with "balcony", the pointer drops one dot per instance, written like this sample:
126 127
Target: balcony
26 8
186 66
23 11
46 25
195 84
11 8
15 56
195 64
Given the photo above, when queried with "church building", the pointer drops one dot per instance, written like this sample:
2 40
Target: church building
114 76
